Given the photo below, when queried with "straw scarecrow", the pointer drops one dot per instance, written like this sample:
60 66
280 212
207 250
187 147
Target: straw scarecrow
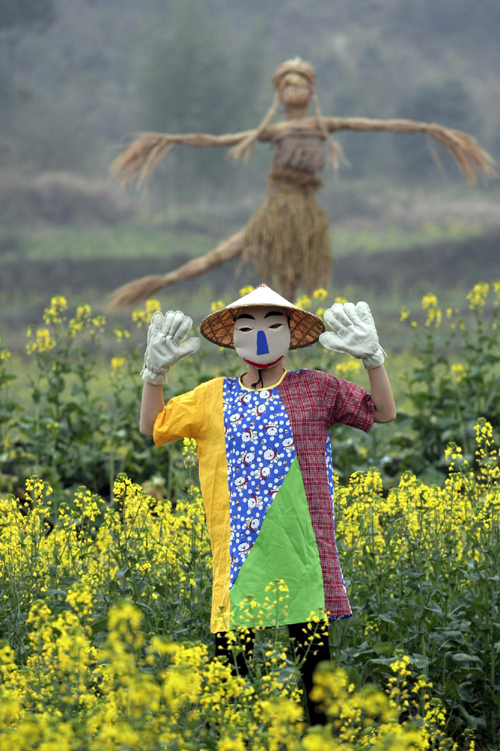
287 238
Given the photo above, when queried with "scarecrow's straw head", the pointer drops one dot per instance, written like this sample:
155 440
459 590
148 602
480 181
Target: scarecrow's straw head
295 82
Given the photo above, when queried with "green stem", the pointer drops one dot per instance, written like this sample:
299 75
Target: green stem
111 475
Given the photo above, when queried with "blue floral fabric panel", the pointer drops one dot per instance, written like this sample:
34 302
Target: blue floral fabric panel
329 468
259 451
331 485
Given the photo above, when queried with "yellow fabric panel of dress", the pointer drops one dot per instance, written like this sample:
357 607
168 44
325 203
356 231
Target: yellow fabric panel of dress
182 417
198 414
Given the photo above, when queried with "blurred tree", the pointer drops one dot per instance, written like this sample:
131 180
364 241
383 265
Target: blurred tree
195 80
432 23
250 77
15 14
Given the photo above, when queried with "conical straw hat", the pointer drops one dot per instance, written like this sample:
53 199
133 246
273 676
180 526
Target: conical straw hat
305 327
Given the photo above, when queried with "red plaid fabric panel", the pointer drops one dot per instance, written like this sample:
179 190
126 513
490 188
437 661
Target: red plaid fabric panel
314 401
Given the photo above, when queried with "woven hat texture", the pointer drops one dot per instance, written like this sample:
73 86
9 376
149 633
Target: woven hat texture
305 327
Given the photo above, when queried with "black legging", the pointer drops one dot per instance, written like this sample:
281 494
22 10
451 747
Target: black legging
309 654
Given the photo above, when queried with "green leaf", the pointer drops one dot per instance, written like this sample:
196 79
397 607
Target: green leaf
354 677
384 648
463 657
450 689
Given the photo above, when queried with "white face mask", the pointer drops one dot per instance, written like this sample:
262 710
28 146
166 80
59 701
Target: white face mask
261 336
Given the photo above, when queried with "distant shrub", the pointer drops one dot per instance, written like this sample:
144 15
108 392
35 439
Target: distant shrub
61 198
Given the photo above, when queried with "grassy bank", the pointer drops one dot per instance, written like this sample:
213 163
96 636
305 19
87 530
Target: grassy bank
147 238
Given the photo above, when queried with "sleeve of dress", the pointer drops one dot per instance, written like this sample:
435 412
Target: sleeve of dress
348 403
180 418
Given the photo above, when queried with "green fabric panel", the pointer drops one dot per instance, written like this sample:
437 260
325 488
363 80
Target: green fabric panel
286 549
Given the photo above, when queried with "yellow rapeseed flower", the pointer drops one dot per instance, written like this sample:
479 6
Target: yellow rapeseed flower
121 333
44 341
320 294
99 322
458 371
478 294
348 368
246 290
303 302
117 363
57 306
140 317
433 317
83 312
152 306
429 301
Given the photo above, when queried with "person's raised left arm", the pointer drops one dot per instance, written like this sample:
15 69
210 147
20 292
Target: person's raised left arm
381 394
354 333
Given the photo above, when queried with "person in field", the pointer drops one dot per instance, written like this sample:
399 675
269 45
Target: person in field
265 460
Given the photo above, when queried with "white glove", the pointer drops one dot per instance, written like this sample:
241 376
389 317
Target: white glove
354 333
164 344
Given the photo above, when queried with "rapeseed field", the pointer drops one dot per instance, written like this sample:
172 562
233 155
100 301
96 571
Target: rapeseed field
105 585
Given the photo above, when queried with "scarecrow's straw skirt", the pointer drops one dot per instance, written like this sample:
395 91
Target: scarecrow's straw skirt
287 238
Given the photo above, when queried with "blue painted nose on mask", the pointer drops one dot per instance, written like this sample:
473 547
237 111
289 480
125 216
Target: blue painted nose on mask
262 347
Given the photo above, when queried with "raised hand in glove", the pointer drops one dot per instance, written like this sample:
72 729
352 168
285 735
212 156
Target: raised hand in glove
164 347
354 333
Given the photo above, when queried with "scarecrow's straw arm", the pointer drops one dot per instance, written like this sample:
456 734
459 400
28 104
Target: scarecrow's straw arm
144 288
470 157
144 154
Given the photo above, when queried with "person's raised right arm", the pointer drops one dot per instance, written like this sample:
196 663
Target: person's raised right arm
163 350
151 405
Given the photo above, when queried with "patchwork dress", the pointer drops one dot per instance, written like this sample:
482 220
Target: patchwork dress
266 477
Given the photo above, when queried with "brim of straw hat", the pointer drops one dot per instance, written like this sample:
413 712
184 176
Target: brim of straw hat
305 327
